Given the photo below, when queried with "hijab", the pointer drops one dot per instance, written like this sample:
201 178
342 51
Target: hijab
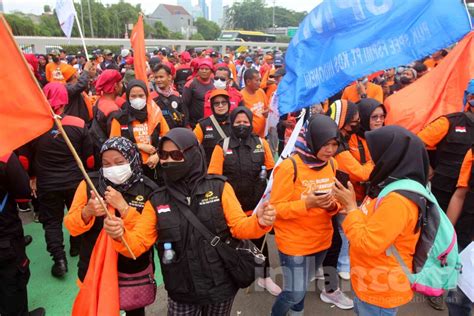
366 107
313 136
194 163
56 94
134 114
233 117
397 154
130 151
342 112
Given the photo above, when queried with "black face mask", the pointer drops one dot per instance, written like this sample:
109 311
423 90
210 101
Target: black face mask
242 131
405 80
354 128
55 59
174 171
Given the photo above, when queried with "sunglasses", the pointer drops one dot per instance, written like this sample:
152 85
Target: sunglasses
221 103
220 78
174 154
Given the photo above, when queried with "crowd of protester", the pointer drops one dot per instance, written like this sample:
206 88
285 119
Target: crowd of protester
193 138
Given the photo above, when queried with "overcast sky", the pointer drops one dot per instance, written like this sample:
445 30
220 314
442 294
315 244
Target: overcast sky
36 6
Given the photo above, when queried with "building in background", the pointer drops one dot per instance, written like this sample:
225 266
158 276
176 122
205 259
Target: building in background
186 4
174 17
1 6
217 12
204 9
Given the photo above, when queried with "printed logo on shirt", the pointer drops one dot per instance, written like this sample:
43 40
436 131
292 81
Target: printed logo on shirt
323 185
460 129
139 198
174 105
163 209
209 198
258 149
209 194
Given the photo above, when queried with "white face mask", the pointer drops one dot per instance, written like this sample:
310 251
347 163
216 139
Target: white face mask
220 84
138 103
118 174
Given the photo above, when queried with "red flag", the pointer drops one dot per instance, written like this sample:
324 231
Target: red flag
99 294
437 93
24 111
137 39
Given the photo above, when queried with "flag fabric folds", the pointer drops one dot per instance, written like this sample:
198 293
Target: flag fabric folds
340 41
437 93
99 293
24 111
66 14
137 39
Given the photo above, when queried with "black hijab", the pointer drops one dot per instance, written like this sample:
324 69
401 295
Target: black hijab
366 107
194 163
397 154
233 116
133 114
130 151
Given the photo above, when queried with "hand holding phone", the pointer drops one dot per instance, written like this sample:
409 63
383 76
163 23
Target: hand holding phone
342 177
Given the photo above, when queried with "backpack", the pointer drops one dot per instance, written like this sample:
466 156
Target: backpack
436 261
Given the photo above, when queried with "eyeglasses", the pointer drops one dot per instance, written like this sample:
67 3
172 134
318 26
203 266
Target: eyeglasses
377 117
220 78
221 103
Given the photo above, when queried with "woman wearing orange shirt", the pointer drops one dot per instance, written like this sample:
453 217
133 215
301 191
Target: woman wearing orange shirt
302 198
379 283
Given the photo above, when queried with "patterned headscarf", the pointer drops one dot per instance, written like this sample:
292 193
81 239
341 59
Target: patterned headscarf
130 151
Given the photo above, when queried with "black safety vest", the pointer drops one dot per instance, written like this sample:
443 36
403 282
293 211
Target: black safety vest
172 109
450 152
243 162
135 197
465 224
197 276
126 129
211 136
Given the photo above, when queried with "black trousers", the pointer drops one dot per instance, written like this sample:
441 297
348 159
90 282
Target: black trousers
14 276
331 278
51 206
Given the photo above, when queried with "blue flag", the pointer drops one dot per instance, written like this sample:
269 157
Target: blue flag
342 40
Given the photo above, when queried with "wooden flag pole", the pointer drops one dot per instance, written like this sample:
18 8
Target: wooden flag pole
56 118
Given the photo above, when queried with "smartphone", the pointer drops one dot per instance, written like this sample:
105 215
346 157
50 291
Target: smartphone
342 177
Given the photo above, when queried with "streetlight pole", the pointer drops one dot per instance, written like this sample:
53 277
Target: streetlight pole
90 18
273 16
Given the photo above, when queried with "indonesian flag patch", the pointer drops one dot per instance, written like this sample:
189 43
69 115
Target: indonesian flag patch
123 127
229 152
209 129
163 209
460 129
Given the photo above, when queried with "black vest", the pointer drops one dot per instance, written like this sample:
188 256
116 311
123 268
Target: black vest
242 165
197 276
465 224
211 136
172 109
450 152
135 197
126 129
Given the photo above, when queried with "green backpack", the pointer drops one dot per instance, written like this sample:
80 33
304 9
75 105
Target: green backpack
436 263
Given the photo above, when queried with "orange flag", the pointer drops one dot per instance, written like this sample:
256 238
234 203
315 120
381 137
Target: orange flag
99 294
137 39
437 93
24 110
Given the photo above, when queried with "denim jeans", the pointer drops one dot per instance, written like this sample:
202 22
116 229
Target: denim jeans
458 303
343 264
362 308
297 273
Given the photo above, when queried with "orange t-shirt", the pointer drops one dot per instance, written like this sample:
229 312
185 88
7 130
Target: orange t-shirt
373 91
354 149
434 132
300 231
257 103
54 73
375 277
465 173
350 165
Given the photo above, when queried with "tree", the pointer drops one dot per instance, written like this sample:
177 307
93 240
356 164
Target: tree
248 15
197 37
176 35
46 9
21 24
158 30
49 26
208 29
285 17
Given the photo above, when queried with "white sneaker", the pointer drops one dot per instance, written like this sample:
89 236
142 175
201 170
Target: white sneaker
345 275
319 275
269 285
337 298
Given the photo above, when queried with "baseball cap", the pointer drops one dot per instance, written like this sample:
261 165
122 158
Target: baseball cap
107 52
217 92
248 60
214 54
278 61
125 52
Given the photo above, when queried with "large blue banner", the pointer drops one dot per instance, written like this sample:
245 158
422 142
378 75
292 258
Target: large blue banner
342 40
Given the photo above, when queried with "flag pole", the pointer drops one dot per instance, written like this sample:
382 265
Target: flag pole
66 138
82 36
468 14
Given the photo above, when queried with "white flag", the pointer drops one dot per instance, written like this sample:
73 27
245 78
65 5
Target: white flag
66 13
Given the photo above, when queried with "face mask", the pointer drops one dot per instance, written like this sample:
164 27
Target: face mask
174 171
55 59
138 103
242 131
220 84
405 80
117 174
354 129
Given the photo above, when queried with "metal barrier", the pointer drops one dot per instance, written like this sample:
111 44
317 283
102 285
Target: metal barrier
42 45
